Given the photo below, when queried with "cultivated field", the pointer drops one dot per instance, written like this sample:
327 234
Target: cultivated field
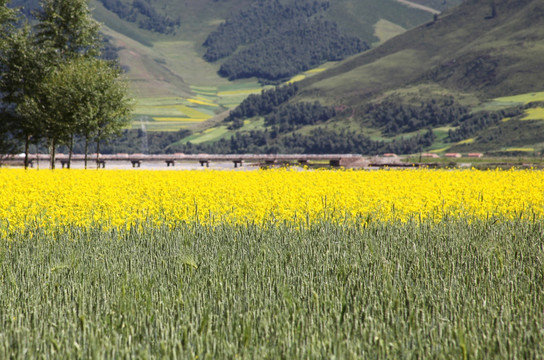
272 264
175 113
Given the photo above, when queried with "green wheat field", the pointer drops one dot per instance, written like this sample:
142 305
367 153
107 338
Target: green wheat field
457 289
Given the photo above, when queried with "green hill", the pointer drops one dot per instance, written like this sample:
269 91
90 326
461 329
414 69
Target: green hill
160 42
176 88
463 50
435 87
439 76
466 53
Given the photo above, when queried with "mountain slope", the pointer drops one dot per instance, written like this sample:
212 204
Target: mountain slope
174 52
461 60
463 50
168 70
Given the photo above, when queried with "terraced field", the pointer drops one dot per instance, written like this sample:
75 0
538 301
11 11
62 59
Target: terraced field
174 113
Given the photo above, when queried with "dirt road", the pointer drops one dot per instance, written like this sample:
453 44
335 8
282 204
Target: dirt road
418 6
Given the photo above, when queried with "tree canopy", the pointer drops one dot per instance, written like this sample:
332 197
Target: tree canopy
53 86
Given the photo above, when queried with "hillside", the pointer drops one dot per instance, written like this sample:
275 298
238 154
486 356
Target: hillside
180 49
160 43
459 60
435 87
463 50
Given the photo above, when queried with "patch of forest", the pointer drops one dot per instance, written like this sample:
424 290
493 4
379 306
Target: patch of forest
261 104
278 114
291 117
274 41
143 14
473 123
318 141
394 117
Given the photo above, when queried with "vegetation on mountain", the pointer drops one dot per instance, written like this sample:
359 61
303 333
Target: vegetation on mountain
393 117
263 103
461 51
321 140
471 124
440 5
438 76
292 117
466 54
290 51
441 75
143 14
273 41
258 21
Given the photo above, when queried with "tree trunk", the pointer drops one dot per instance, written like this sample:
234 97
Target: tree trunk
493 10
97 153
71 151
86 150
53 153
27 145
37 156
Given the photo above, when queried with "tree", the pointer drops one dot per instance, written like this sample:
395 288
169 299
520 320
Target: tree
85 97
23 70
65 31
105 106
493 9
20 64
52 85
7 19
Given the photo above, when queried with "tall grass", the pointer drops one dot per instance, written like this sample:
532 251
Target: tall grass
449 290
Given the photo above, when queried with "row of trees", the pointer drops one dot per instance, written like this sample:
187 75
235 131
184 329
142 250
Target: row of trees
133 141
54 88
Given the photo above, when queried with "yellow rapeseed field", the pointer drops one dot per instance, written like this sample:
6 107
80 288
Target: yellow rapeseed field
109 198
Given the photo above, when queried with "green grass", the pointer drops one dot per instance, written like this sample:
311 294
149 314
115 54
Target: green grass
165 125
511 101
385 30
205 104
359 17
440 53
212 134
456 289
522 98
510 134
534 114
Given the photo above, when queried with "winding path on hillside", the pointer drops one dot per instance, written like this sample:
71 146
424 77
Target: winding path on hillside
419 6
